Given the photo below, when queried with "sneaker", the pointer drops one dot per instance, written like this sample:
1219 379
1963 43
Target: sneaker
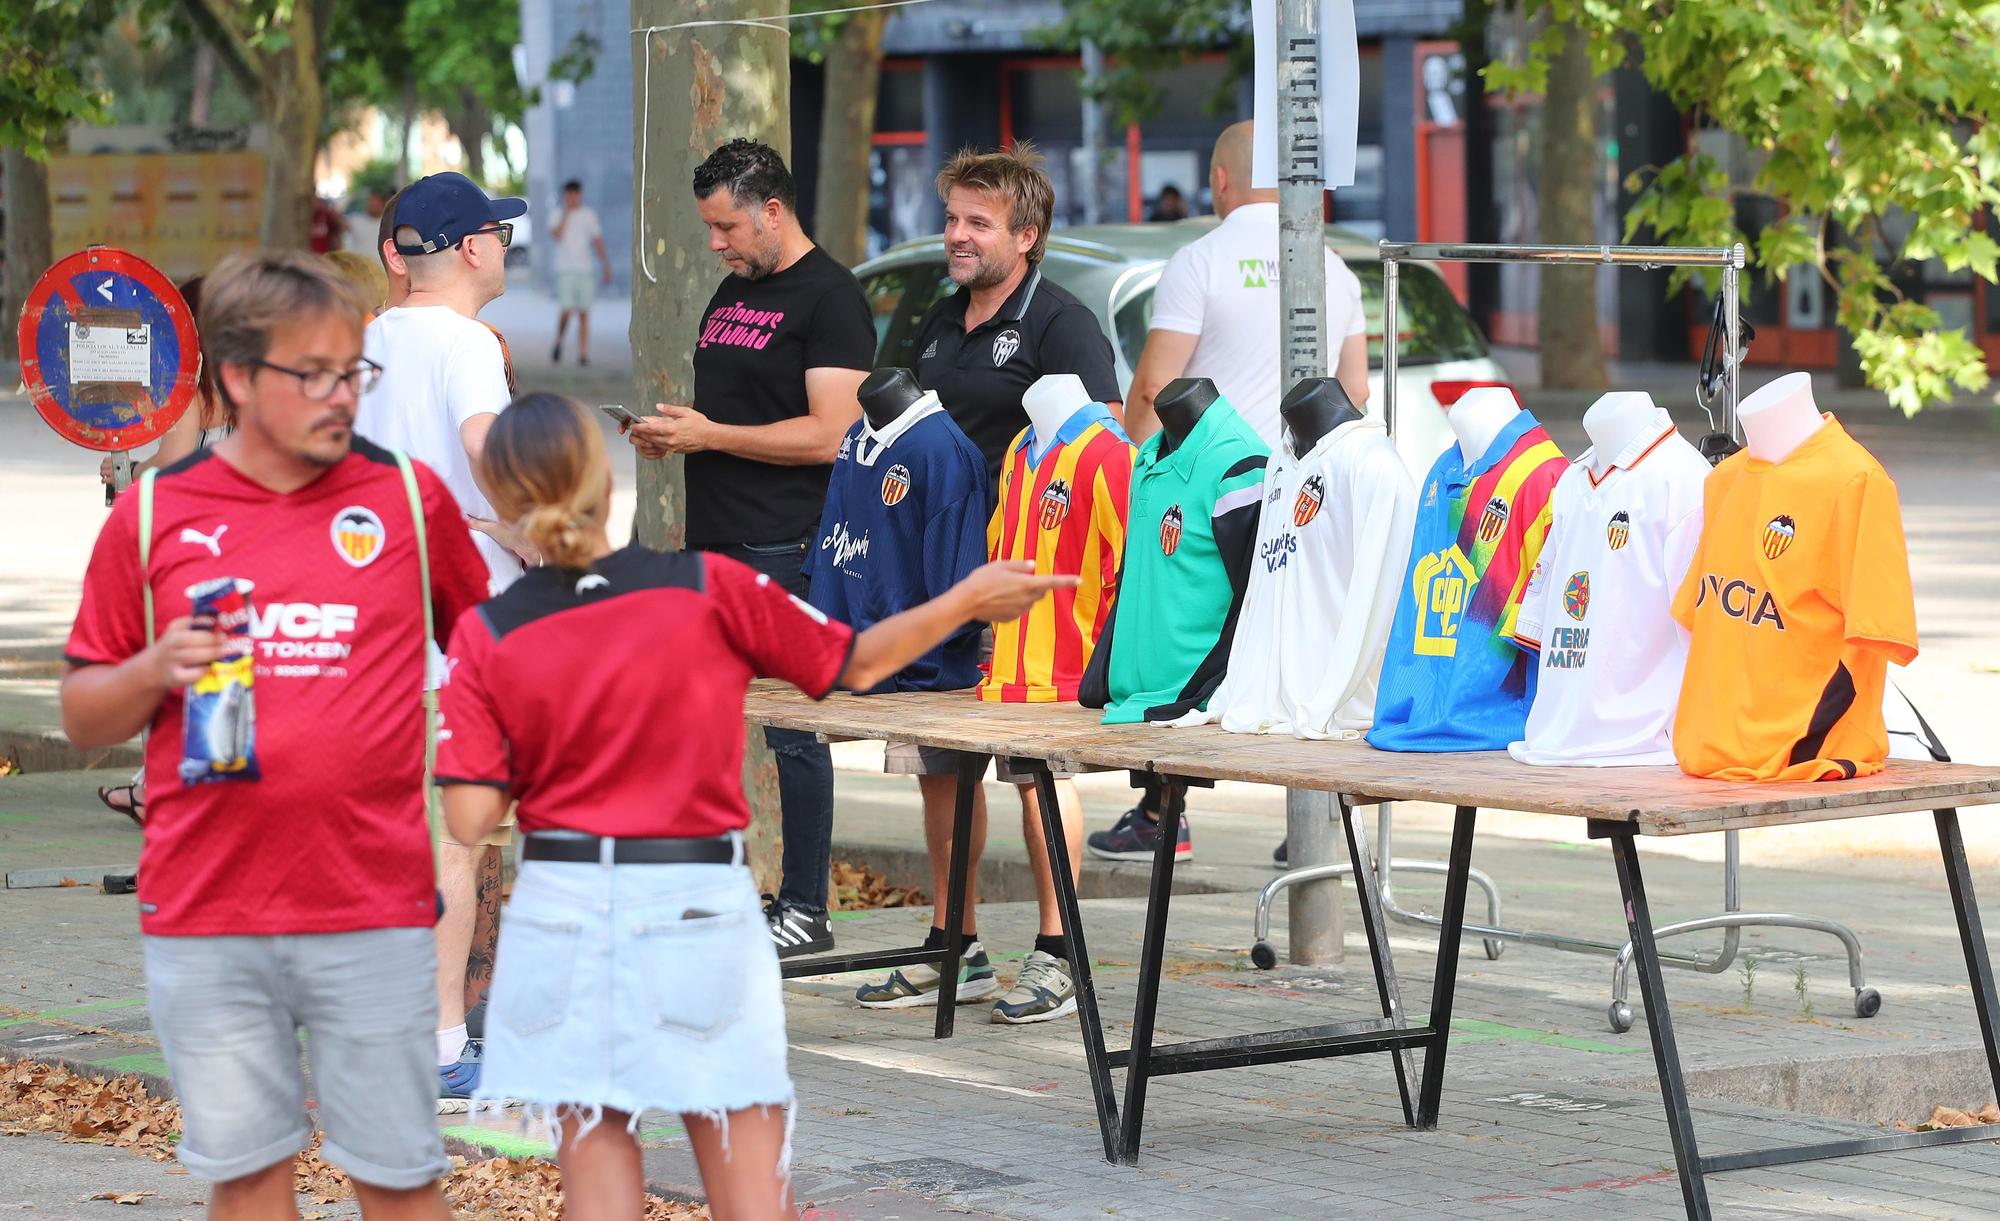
458 1081
1043 991
917 985
795 931
1134 837
555 357
1281 856
475 1021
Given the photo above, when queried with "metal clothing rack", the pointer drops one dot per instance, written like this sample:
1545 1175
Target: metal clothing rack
1732 919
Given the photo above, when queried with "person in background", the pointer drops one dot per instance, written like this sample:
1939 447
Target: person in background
361 223
365 274
785 343
327 229
634 971
444 381
1169 205
1215 315
578 235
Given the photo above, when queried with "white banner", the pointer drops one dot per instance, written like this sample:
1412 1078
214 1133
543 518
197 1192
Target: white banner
1339 84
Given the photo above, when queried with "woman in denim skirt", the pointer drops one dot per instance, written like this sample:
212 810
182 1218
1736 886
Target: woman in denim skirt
604 692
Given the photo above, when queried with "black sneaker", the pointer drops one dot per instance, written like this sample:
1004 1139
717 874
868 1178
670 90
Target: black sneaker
795 931
555 356
1281 856
1134 837
475 1021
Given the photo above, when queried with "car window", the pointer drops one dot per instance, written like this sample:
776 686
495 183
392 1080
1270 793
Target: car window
1432 326
899 298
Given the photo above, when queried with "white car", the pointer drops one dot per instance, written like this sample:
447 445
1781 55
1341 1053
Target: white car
1113 269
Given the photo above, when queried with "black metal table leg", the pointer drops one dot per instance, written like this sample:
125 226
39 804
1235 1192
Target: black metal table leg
971 769
1445 983
1659 1023
1978 967
1375 927
1152 954
1096 1058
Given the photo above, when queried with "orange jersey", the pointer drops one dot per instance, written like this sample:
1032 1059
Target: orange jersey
1067 514
1798 598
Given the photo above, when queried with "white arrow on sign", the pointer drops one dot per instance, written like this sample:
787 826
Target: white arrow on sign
104 290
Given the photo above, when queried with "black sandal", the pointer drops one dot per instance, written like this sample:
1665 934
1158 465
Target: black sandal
134 808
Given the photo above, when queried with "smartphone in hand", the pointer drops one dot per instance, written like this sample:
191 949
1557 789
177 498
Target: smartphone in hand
625 418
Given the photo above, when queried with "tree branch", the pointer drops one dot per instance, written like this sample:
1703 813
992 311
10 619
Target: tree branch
217 26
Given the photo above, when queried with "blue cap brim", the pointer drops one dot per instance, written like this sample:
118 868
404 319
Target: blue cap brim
508 209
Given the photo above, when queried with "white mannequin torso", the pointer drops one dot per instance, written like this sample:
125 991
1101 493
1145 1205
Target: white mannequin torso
1779 417
1478 416
1613 423
1050 402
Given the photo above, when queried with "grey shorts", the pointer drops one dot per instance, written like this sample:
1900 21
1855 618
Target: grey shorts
228 1011
910 759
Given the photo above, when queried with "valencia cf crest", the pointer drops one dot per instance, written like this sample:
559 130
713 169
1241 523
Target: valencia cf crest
1055 504
1306 507
1576 595
1778 534
1170 531
896 484
358 535
1619 531
1005 344
1493 521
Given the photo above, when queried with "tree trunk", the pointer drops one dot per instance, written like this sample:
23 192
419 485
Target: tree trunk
692 89
30 239
292 100
1572 350
408 132
202 93
470 122
853 72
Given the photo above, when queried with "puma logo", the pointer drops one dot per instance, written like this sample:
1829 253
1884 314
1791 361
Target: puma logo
211 541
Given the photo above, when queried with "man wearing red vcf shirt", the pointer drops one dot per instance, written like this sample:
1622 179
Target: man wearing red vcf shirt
300 897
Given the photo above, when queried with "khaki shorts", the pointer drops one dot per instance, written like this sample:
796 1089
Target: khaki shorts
910 759
499 837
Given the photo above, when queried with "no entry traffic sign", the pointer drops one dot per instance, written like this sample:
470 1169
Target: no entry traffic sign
108 349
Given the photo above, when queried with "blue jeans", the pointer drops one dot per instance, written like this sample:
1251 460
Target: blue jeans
805 764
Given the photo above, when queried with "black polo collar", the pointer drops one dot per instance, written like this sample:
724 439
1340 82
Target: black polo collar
1013 309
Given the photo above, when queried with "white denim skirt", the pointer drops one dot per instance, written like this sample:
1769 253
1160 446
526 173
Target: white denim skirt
634 988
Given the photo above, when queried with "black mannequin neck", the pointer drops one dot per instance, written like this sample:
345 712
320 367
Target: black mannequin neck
1314 408
887 394
1180 406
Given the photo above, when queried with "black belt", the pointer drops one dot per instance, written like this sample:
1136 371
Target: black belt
589 849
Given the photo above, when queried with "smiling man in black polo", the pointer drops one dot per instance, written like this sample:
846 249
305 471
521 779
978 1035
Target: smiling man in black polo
1008 325
980 349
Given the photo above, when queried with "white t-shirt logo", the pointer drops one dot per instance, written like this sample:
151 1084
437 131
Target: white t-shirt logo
1005 344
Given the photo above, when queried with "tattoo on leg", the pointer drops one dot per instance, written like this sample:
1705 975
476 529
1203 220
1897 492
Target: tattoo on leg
485 927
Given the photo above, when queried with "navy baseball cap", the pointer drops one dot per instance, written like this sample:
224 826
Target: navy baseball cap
446 208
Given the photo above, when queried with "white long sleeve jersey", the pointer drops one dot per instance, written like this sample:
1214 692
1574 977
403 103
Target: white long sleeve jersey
1332 540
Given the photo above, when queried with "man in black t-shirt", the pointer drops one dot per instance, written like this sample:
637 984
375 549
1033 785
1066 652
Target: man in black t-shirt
784 345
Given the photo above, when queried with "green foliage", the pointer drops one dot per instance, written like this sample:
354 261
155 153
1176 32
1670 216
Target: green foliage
43 87
1142 39
1863 118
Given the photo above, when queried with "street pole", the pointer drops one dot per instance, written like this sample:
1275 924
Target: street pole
1314 907
1090 189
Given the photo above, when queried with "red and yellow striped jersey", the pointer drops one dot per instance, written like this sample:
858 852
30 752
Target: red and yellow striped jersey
1066 512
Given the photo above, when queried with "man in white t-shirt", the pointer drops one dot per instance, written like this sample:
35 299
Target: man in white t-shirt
444 381
1216 311
578 236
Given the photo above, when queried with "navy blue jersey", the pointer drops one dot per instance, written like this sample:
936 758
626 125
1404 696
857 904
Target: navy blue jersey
905 520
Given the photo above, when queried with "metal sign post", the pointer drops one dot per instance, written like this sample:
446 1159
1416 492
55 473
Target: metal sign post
108 353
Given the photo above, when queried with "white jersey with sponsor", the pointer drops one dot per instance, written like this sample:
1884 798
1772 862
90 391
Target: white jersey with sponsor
1331 544
1222 288
1599 606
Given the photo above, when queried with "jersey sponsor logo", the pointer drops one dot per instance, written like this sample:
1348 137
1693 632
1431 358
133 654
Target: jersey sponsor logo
1778 535
212 541
844 545
1257 273
1568 648
1055 504
1442 582
358 535
896 484
1005 344
1740 599
1576 595
929 351
1170 531
1277 552
1619 530
1493 520
1306 507
295 631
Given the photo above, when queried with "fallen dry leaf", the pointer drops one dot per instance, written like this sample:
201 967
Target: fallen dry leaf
858 888
124 1197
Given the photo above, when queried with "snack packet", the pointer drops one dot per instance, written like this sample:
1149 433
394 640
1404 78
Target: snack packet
219 717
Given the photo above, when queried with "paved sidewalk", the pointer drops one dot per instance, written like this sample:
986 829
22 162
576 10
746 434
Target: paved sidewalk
1546 1112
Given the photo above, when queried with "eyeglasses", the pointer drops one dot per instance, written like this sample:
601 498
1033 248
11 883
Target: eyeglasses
501 230
318 384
